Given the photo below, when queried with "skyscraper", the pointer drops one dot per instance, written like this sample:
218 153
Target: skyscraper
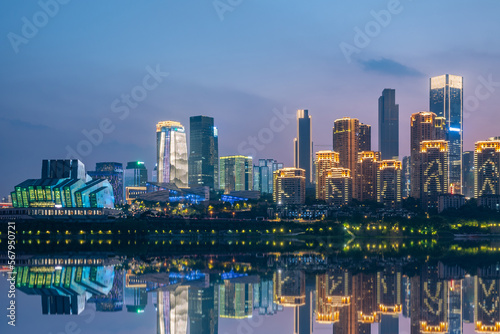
263 175
406 181
204 152
136 174
346 142
487 168
424 126
468 174
171 153
236 173
325 160
446 100
365 137
389 182
339 186
388 124
434 169
289 186
303 144
366 176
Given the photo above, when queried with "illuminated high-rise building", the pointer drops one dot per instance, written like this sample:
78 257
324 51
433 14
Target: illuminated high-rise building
236 173
366 176
113 172
289 186
446 100
424 126
135 175
325 160
346 142
339 186
263 175
388 125
389 182
487 168
389 299
365 137
303 144
171 153
236 300
487 301
434 169
406 177
333 297
203 152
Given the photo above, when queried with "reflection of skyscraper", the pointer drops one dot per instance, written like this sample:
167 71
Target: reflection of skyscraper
204 152
136 299
236 300
203 310
333 298
172 311
365 299
487 305
388 125
303 144
446 100
455 307
171 148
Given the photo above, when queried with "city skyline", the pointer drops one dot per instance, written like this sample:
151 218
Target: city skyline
241 94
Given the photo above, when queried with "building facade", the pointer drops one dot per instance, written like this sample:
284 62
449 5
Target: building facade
434 169
171 154
389 183
365 137
388 125
487 168
113 172
366 176
446 100
135 174
303 144
236 173
263 175
325 160
203 152
346 142
339 186
289 186
468 174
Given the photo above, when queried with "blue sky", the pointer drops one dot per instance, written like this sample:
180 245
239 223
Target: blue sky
263 55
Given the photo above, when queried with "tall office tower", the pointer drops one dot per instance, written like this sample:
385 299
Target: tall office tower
171 153
203 152
136 174
487 300
346 142
424 126
236 173
113 172
406 184
339 186
446 100
366 176
389 182
468 174
365 137
303 144
388 125
289 186
487 168
325 160
434 169
263 175
63 169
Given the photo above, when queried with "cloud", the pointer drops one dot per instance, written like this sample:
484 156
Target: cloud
389 67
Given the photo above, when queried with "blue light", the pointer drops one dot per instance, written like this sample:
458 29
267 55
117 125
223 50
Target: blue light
455 129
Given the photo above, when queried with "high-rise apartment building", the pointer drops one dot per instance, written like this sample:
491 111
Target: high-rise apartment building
434 169
389 183
325 160
303 144
339 186
289 186
346 142
446 100
236 173
365 137
171 153
388 125
424 126
487 168
366 176
203 152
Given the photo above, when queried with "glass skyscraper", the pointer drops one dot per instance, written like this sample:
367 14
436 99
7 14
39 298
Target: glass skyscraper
136 174
303 144
204 152
172 161
446 100
263 175
388 124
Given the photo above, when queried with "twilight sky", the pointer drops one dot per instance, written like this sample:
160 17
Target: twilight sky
239 61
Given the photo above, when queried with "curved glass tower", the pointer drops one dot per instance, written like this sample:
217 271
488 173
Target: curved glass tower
171 154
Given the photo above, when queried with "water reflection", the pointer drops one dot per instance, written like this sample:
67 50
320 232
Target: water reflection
316 293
